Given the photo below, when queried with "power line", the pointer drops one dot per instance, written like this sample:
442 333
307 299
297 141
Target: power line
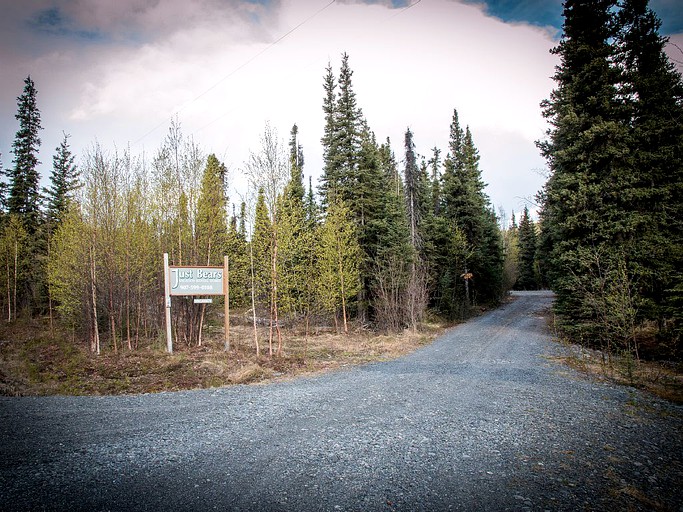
238 68
398 12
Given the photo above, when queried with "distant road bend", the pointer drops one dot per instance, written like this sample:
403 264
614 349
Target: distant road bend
482 419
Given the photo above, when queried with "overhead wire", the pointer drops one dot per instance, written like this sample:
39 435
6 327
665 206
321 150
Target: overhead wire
398 12
237 69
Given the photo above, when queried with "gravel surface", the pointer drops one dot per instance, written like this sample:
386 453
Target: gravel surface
481 419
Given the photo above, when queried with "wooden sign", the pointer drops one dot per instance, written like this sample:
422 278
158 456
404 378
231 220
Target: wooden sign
193 281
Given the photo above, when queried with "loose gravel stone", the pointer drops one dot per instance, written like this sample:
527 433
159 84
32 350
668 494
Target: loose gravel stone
481 419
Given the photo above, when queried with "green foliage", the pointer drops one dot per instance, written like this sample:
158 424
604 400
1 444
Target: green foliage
614 152
211 225
296 244
262 249
64 182
24 192
382 244
67 268
339 260
527 240
237 249
467 207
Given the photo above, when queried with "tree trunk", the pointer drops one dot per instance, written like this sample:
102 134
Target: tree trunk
275 307
253 299
343 296
95 340
112 319
9 293
130 346
16 267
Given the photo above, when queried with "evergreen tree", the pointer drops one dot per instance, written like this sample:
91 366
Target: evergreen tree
585 201
296 163
211 225
64 182
527 279
238 254
394 264
467 208
350 124
652 91
261 247
329 181
295 239
413 188
342 135
435 165
312 209
24 193
510 235
339 261
369 209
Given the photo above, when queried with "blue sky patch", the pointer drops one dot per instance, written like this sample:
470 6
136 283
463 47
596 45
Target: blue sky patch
52 21
548 13
542 13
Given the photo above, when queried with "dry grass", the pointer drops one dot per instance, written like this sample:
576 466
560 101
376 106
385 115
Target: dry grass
35 362
661 378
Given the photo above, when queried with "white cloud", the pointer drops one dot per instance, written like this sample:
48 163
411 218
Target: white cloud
215 68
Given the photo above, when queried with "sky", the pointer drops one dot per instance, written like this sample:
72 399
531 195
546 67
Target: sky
117 73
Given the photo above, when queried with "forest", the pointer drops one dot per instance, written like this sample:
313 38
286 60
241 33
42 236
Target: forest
381 241
376 243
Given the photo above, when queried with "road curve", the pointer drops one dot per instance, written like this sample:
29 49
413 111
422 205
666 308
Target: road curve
482 419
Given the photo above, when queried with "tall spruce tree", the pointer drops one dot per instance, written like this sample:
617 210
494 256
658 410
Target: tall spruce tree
64 182
211 217
586 151
413 188
652 91
24 192
342 135
296 163
329 181
526 240
295 239
467 209
261 247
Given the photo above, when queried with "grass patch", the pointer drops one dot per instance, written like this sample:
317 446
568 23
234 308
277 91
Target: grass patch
658 377
661 378
35 361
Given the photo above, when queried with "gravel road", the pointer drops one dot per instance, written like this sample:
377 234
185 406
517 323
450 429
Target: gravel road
481 419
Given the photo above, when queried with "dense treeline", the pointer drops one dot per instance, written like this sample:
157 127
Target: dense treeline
611 243
380 242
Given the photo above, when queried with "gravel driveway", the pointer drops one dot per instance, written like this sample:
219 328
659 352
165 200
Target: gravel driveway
479 420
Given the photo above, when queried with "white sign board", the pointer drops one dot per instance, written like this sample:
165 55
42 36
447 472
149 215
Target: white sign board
196 280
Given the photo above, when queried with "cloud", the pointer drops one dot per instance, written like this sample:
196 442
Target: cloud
227 67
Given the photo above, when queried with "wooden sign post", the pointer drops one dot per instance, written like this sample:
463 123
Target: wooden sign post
193 281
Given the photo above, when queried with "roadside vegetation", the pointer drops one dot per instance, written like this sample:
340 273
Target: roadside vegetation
369 255
34 361
379 246
653 372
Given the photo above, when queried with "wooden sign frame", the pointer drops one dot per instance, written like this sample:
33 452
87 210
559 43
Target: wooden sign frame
200 280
